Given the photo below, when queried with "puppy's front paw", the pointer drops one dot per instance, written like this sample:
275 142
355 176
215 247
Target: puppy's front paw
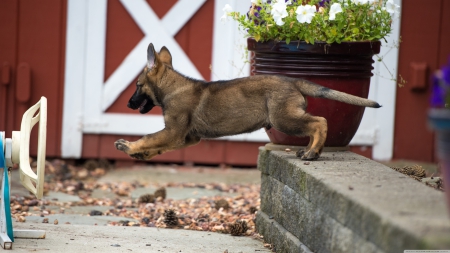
122 145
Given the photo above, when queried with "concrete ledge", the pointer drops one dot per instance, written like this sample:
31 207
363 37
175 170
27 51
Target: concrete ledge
346 203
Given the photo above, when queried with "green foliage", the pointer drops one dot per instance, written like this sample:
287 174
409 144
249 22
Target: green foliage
356 22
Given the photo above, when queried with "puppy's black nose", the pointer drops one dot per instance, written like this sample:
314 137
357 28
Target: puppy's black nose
129 105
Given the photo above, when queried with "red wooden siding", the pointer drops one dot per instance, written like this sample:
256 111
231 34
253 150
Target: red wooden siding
33 42
424 40
9 11
444 31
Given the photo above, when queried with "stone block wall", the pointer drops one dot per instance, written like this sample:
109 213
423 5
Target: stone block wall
346 203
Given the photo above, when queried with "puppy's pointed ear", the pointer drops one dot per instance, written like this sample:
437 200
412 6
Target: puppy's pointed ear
151 57
165 56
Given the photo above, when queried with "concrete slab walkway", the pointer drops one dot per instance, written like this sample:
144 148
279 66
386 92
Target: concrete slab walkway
87 238
92 234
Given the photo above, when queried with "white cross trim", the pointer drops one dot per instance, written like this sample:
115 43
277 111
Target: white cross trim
160 33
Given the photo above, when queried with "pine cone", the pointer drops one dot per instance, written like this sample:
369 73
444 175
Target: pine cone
91 165
161 192
170 218
415 171
147 198
238 228
221 203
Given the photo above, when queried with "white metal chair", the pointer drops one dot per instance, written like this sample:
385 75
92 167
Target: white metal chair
16 151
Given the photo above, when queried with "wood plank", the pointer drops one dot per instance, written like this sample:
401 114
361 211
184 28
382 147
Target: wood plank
420 39
91 146
133 63
200 39
9 11
365 151
170 157
206 152
161 8
94 60
122 35
242 153
61 76
182 38
74 67
40 46
444 32
180 13
228 43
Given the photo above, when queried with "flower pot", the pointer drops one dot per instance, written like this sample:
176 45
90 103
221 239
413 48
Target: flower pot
439 120
345 67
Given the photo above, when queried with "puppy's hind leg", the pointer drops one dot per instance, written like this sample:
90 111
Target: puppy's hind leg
299 123
316 128
301 152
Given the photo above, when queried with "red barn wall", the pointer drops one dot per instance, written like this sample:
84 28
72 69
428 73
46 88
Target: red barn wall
32 42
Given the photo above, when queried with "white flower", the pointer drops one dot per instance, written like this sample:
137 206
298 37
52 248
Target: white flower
258 1
279 12
226 11
392 8
334 9
305 13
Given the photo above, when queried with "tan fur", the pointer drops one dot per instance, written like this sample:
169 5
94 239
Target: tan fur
196 109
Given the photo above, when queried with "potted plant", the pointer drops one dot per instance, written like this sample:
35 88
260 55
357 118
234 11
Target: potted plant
330 42
439 120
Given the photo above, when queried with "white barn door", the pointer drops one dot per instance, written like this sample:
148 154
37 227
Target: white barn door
87 96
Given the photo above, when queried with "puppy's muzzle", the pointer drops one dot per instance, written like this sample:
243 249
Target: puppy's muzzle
142 102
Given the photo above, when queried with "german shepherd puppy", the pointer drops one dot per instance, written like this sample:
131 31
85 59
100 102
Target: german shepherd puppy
195 109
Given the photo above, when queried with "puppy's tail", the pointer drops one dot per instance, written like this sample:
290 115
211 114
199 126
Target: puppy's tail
314 90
